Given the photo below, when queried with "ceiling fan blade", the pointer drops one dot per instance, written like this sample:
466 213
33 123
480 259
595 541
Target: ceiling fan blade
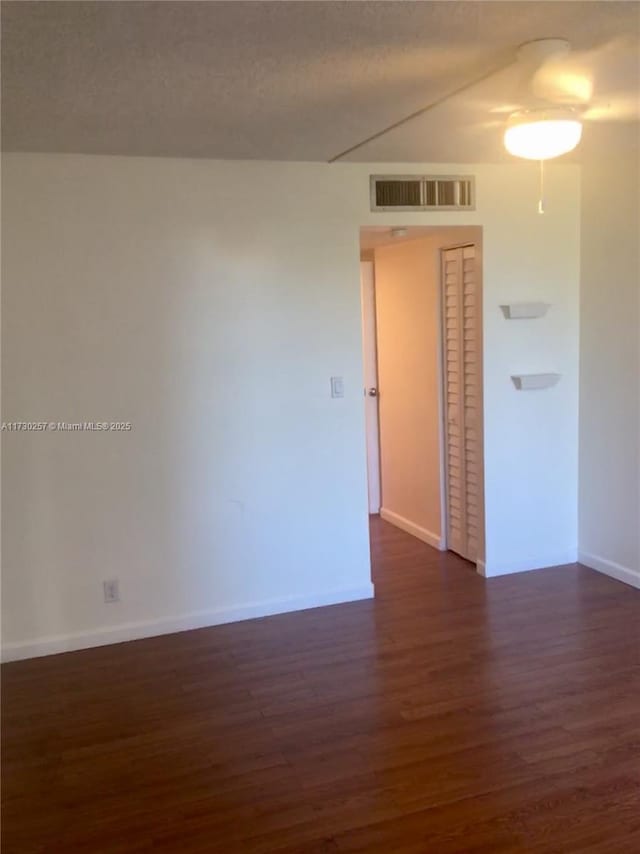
576 77
559 82
616 108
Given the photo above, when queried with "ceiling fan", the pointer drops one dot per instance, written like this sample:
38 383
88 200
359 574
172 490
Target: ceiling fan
554 96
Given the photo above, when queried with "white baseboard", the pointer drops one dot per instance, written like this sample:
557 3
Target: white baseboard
493 569
609 567
411 528
168 625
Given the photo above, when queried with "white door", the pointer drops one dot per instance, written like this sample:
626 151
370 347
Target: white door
370 359
462 384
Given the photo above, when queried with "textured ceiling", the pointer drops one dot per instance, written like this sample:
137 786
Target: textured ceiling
277 80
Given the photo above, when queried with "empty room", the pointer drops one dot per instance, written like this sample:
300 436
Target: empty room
320 427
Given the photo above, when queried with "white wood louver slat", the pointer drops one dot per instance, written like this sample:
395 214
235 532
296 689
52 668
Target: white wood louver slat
462 385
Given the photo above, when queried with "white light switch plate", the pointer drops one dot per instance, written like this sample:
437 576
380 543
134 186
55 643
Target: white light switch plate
337 387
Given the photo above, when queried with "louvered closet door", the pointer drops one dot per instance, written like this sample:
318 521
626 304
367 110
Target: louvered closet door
461 347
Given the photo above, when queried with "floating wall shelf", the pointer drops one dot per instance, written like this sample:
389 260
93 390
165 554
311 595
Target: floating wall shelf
528 382
521 310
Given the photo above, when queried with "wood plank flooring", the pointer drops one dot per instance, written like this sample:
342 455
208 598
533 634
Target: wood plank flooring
449 715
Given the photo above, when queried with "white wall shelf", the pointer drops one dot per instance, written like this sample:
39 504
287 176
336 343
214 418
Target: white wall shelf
529 382
522 310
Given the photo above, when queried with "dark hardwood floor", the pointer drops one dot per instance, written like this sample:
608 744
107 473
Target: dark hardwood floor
449 715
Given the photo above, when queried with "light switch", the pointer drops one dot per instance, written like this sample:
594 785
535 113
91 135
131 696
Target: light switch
337 387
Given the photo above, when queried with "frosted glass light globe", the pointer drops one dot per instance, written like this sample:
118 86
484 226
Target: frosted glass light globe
542 134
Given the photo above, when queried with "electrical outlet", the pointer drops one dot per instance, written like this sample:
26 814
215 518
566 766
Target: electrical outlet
111 591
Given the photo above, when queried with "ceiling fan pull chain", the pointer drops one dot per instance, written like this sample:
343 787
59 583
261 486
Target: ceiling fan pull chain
541 196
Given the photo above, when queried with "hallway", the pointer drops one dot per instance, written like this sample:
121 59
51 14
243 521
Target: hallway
449 714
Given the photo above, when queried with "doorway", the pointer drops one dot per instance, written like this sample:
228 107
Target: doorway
422 354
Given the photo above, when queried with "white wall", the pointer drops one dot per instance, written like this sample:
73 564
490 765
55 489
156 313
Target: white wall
531 438
209 303
610 354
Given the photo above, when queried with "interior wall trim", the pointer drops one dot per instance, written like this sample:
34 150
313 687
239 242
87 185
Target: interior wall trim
410 527
610 568
489 569
103 636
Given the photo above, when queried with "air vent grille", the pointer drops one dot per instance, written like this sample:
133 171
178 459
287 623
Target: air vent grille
405 194
422 192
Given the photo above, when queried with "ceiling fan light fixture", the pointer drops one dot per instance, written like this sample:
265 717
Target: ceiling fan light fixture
542 134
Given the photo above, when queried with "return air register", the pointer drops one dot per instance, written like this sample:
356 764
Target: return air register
422 192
